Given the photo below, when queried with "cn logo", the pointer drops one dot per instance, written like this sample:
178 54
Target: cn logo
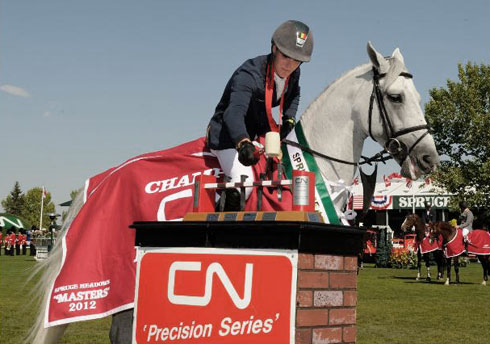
213 268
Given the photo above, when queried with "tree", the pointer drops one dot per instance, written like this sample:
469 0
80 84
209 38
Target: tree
14 202
460 120
32 207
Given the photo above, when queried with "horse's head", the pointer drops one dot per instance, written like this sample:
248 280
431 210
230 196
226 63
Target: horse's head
434 229
399 124
410 221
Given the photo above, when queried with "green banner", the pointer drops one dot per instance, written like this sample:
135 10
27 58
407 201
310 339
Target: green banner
8 221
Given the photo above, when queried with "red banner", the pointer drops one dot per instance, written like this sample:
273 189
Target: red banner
97 277
215 296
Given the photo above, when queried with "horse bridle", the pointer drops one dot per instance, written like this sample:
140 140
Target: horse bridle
393 147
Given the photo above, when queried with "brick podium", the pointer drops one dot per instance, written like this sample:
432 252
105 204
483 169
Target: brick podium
326 286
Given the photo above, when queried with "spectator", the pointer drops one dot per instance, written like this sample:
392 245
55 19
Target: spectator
33 246
429 214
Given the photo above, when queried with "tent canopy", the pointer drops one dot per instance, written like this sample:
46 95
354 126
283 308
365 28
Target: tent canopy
9 220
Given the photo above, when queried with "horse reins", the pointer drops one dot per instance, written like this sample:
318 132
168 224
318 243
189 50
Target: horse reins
393 146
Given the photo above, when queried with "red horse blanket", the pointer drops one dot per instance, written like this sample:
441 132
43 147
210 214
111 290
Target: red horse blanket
97 276
426 246
455 247
479 242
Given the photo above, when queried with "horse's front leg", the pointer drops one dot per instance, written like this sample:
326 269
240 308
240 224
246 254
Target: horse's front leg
419 264
427 265
440 263
456 268
448 271
485 264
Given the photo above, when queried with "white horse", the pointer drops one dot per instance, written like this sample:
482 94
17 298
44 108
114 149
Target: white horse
378 99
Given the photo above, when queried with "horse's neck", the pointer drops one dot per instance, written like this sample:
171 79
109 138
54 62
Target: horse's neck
333 124
420 230
448 233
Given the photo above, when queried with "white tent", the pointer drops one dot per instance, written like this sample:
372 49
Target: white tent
397 192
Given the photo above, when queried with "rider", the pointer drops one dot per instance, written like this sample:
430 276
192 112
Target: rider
244 110
466 219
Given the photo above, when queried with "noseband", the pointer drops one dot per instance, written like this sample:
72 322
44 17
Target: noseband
393 145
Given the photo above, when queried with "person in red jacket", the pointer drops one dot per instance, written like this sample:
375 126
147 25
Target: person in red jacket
12 239
18 242
24 243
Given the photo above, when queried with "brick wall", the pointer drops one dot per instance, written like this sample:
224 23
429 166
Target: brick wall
326 299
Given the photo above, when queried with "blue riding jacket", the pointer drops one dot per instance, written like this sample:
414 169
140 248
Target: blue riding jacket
241 111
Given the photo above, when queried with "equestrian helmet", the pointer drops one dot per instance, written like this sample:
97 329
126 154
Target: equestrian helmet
294 39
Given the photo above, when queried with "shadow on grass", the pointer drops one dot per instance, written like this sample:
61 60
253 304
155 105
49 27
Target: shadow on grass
422 280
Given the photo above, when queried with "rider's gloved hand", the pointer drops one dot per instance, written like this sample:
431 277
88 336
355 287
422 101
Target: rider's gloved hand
288 124
247 153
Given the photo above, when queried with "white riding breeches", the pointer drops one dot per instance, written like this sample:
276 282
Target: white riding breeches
228 159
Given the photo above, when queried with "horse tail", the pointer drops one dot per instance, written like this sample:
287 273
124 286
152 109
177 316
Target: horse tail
49 269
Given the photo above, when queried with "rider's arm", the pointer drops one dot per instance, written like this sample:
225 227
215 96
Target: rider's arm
242 87
468 221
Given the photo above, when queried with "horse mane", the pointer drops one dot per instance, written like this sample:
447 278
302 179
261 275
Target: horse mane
319 99
396 67
419 227
444 226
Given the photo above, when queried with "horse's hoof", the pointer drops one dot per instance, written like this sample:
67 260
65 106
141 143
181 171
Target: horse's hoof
484 283
427 279
417 278
447 282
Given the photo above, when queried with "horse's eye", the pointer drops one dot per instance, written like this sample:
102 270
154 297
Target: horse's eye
395 98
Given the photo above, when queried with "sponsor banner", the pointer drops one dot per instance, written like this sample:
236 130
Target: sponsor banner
206 295
406 202
295 158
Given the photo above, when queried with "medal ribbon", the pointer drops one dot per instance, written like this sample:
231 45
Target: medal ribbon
269 90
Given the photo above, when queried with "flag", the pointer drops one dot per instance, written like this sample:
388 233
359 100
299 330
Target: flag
45 193
358 202
387 181
395 175
409 182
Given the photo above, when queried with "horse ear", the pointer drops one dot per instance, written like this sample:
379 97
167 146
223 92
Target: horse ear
378 61
398 55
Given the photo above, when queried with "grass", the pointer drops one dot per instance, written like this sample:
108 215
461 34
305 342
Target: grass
17 312
392 308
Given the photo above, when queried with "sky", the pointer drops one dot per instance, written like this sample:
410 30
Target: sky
86 85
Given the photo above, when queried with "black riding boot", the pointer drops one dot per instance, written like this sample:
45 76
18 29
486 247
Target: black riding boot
122 327
232 200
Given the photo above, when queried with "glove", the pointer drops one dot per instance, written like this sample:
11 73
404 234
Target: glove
247 154
287 125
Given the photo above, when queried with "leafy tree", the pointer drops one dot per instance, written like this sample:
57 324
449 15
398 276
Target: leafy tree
460 119
32 207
